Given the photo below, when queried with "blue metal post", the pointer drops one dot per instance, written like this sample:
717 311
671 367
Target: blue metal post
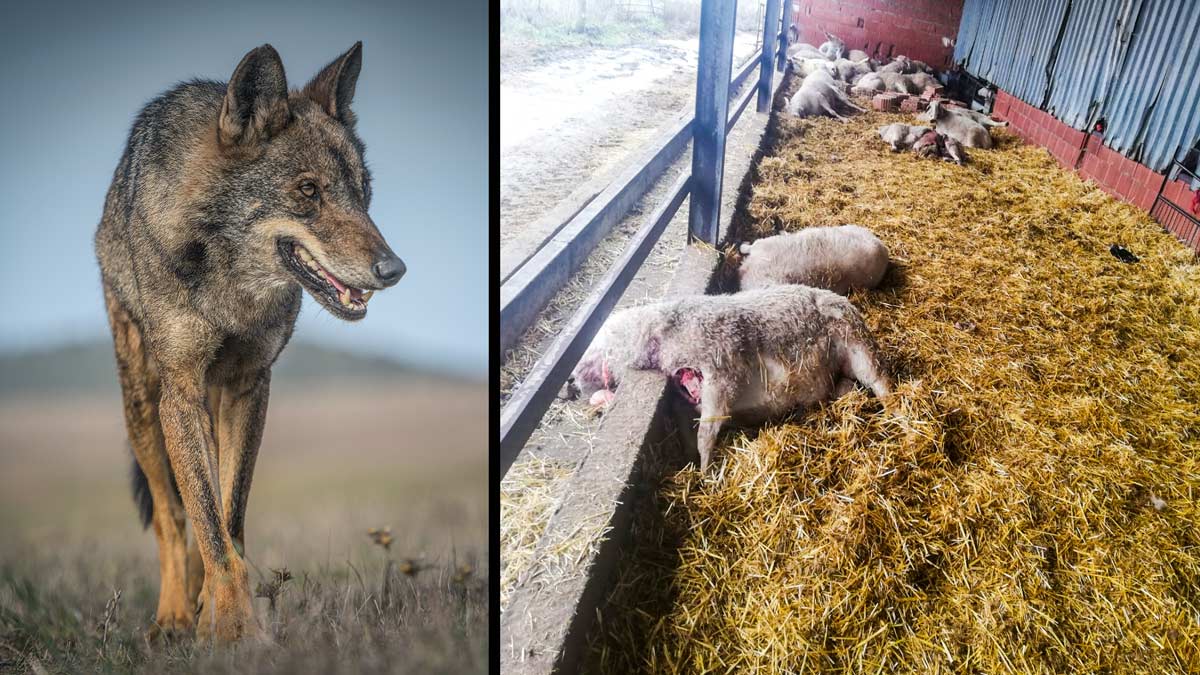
712 106
766 74
785 25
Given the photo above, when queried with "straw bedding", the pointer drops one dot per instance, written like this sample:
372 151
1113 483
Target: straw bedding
1036 513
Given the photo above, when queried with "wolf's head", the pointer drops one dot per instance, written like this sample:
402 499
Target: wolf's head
293 163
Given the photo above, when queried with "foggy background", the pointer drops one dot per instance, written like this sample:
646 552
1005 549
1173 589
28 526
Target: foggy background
75 74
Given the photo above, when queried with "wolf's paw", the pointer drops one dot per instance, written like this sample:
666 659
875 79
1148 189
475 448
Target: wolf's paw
170 627
233 621
225 611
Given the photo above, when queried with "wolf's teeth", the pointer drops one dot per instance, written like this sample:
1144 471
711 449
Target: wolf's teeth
366 296
304 255
344 296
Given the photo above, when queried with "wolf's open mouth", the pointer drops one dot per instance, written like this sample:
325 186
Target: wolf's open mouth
342 300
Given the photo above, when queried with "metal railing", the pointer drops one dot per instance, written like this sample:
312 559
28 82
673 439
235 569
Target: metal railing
715 86
1173 217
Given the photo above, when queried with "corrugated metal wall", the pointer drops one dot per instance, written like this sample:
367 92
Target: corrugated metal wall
1135 63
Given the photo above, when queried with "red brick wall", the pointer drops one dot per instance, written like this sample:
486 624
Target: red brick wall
913 28
1115 173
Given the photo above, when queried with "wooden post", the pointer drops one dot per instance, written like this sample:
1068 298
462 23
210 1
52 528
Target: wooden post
717 18
784 29
766 75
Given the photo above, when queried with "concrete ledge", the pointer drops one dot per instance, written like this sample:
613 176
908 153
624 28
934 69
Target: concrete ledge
545 626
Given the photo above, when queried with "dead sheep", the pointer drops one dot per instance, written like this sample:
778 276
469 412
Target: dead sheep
898 65
978 117
820 95
953 151
803 50
888 81
803 67
905 66
833 47
931 144
959 124
850 71
869 84
901 136
838 259
935 145
921 81
747 357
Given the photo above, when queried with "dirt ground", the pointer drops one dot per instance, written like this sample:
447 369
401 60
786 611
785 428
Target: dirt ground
335 461
583 113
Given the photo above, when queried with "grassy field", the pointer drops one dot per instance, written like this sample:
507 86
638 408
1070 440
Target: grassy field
79 577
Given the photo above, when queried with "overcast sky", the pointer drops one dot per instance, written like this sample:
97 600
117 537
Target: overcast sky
74 75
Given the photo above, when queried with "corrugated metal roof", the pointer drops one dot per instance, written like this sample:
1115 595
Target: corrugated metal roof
1135 63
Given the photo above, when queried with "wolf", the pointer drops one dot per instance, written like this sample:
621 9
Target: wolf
228 200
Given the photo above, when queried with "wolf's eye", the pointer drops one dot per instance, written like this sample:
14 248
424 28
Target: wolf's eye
308 189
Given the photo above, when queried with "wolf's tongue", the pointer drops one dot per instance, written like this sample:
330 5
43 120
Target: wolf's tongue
336 284
355 293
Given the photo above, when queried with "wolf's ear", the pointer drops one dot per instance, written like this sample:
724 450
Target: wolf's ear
256 101
333 87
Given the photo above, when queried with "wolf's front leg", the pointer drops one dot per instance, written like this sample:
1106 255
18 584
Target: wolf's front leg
243 414
228 613
140 392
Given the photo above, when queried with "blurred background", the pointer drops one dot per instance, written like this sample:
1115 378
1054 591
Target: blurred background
378 423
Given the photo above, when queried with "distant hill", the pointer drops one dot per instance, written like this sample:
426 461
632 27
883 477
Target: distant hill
91 366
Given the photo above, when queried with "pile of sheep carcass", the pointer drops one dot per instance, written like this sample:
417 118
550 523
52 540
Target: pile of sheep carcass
788 339
831 71
953 128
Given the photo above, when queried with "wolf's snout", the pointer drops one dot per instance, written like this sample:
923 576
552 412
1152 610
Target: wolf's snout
389 270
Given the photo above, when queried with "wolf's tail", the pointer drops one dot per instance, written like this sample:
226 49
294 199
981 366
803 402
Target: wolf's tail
141 494
142 498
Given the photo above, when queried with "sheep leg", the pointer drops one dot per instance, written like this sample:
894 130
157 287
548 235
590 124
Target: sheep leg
684 415
861 364
716 396
830 109
850 104
843 386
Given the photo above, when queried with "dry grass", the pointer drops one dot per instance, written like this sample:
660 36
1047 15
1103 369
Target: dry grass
70 540
1037 513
